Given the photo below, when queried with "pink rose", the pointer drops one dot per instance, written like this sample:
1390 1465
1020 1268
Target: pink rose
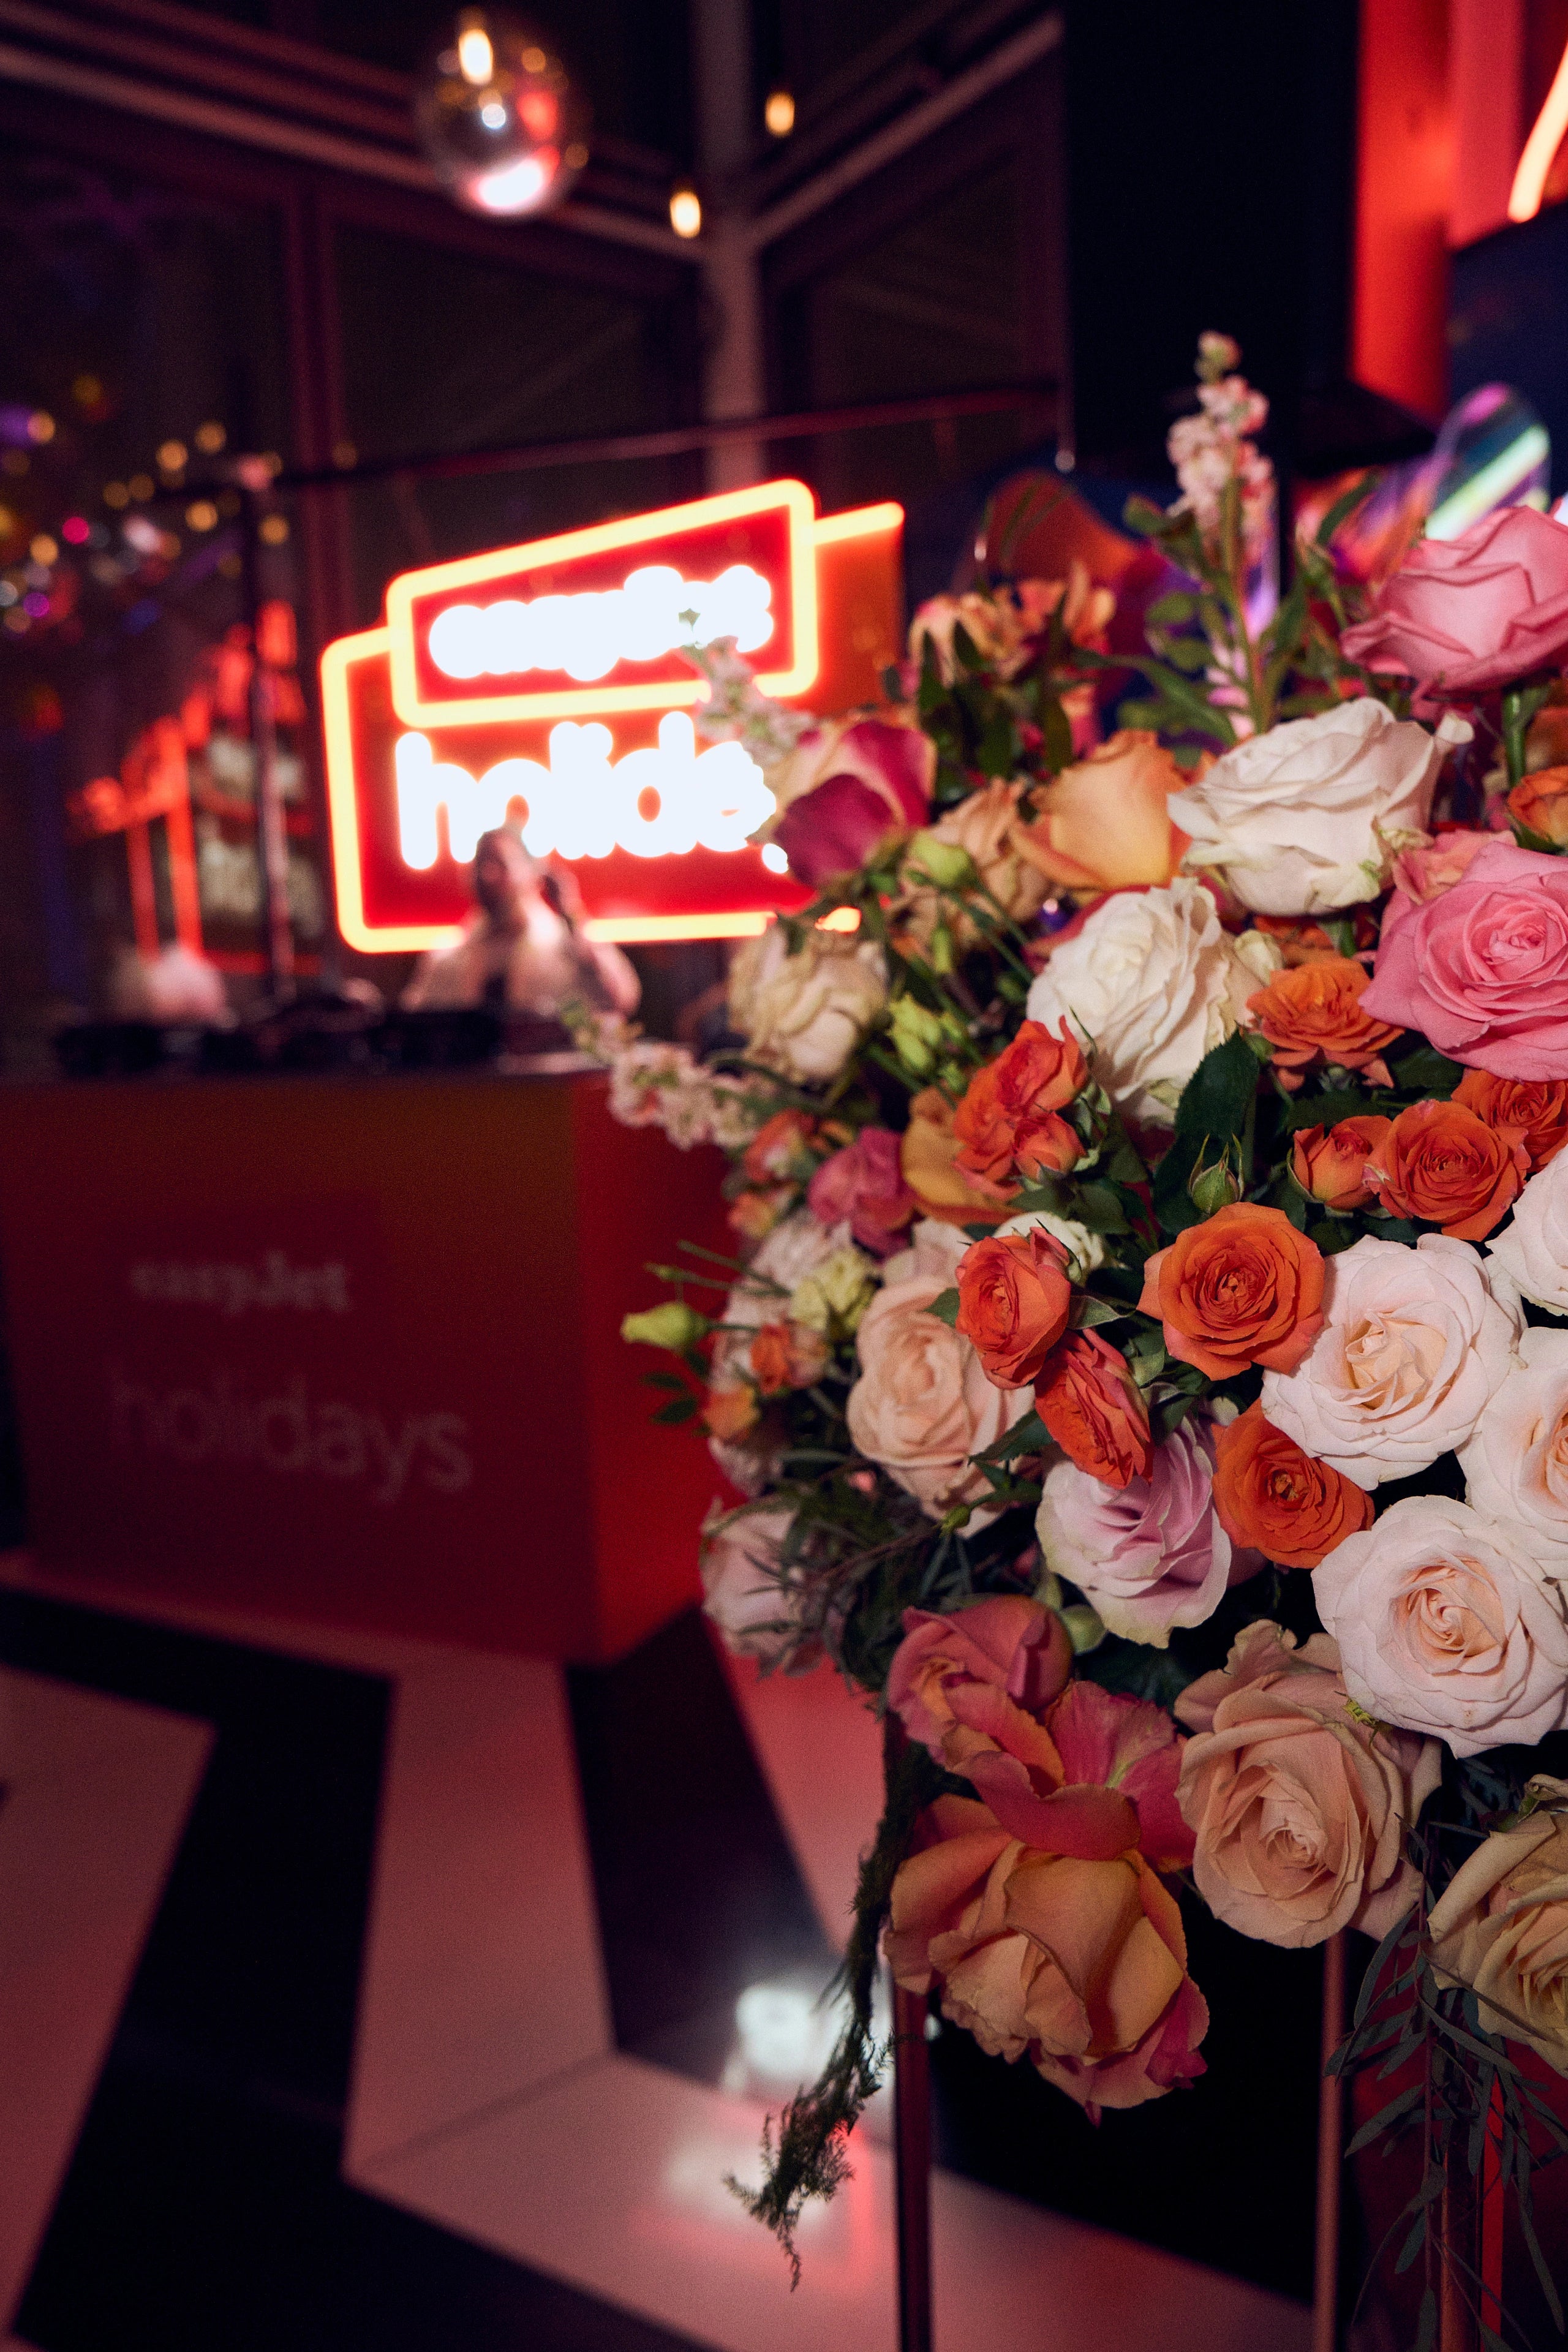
845 789
1299 1809
1423 874
864 1183
1447 1624
1149 1555
1469 614
1482 969
1010 1644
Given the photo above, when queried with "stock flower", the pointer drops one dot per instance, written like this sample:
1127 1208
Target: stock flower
1299 1811
1014 1302
1533 1251
1243 1287
929 1163
1013 1645
1086 1395
1538 1114
922 1404
1482 971
1440 1164
1333 1167
984 828
1541 802
1009 1114
1516 1464
863 1184
1312 1017
748 1593
1151 982
1308 817
1273 1499
1470 614
1500 1926
1152 1554
1105 821
849 787
1039 1909
1414 1342
803 1014
1447 1625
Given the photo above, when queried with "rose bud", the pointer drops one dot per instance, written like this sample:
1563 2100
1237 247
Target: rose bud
1014 1302
1330 1166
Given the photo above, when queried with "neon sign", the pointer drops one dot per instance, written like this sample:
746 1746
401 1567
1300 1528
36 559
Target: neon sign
544 685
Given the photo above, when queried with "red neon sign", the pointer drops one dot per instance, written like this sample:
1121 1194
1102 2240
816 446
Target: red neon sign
544 684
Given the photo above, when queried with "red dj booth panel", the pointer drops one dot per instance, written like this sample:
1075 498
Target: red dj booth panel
350 1352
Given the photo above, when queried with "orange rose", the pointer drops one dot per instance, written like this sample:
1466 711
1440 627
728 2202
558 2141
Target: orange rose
1014 1302
787 1356
1540 801
1311 1016
1331 1167
1442 1164
1244 1287
781 1148
1301 941
1011 1103
928 1161
1103 823
1273 1499
1094 1409
1538 1114
730 1412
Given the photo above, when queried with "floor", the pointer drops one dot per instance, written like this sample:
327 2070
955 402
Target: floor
356 1992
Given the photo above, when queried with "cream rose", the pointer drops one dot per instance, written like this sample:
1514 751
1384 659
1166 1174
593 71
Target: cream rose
1299 1809
1311 814
985 826
1516 1464
751 1597
804 1015
1446 1625
1533 1251
1151 982
1502 1927
922 1404
1086 1250
1413 1343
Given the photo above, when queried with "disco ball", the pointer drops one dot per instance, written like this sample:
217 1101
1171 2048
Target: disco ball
499 116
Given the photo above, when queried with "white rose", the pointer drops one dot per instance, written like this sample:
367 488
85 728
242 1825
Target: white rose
1086 1248
1516 1462
922 1404
1309 816
751 1597
1534 1250
1152 982
1446 1625
1414 1342
804 1015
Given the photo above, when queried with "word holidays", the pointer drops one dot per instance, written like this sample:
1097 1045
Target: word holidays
287 1433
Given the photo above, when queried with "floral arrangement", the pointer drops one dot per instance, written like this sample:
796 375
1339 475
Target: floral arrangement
1144 1368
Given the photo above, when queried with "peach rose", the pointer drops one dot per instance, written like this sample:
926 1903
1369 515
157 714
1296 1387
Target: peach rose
1441 1164
1312 1017
928 1162
922 1404
1010 1110
1501 1926
1299 1809
1423 874
1274 1499
1104 822
1013 1645
1039 1910
1541 802
1516 1464
1088 1400
1333 1167
1537 1113
1447 1624
1014 1302
985 826
1243 1287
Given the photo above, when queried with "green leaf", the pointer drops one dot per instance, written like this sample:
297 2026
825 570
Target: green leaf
1427 1072
1324 1110
1028 1437
679 1409
945 1308
1097 1206
671 1380
1171 611
1539 842
1384 2116
1217 1097
1345 505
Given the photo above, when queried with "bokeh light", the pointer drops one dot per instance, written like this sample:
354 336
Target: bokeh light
500 117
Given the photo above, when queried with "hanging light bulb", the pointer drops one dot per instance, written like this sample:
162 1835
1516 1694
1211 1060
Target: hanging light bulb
500 117
685 209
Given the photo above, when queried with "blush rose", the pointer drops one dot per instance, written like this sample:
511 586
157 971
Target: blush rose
1482 971
1472 614
1533 1251
1516 1464
1105 822
1446 1625
1299 1811
1501 1926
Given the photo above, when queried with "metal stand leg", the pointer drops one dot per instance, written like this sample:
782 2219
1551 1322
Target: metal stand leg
912 2145
1331 2145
